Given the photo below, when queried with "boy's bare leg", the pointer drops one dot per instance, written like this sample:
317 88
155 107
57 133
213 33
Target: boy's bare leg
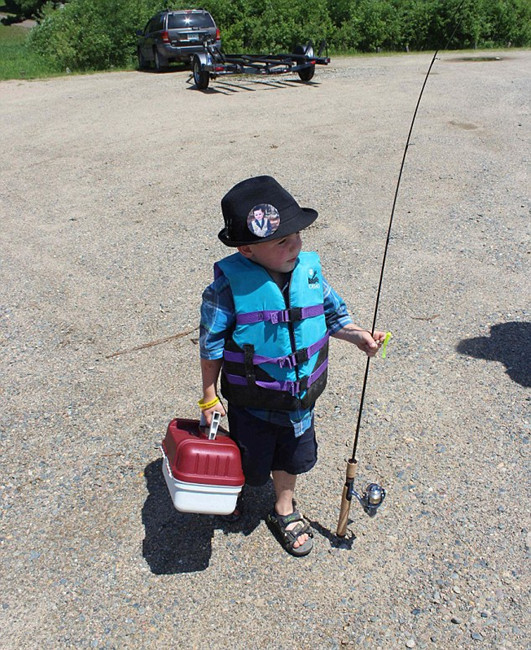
285 489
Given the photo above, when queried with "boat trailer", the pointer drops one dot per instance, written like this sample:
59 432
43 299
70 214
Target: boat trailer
213 63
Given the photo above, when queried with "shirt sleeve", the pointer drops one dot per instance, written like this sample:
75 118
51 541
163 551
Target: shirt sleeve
336 313
217 318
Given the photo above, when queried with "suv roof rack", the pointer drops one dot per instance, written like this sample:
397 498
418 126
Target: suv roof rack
174 11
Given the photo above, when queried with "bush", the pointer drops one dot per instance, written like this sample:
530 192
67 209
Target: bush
369 25
99 34
270 26
91 34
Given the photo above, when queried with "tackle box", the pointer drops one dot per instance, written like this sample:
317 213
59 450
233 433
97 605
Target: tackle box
203 471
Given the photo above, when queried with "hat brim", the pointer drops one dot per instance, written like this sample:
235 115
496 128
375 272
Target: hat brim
304 218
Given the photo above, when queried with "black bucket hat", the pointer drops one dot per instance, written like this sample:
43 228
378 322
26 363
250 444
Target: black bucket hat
259 209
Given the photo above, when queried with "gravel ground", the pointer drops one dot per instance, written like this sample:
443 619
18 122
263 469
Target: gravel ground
110 192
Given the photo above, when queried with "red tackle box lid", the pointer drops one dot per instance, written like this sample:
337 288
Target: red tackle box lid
195 459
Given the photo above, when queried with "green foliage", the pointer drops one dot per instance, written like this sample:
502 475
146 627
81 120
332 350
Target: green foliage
92 34
269 25
98 34
29 8
415 21
369 25
24 8
509 22
16 62
279 25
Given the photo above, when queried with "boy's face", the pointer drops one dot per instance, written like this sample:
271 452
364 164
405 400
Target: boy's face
279 255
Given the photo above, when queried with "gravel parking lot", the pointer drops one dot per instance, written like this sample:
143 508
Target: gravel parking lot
110 200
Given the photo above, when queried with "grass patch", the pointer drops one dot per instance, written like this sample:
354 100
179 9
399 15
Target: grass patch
16 60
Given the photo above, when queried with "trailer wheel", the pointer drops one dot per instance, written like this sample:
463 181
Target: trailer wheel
306 73
201 77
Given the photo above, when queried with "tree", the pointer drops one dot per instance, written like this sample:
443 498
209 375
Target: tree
28 8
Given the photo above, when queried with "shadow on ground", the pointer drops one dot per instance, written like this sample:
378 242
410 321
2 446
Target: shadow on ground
508 343
177 542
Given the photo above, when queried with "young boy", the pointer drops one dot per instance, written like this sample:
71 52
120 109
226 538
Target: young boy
265 324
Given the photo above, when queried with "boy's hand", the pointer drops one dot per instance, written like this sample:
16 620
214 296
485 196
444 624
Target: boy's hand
361 338
368 344
217 408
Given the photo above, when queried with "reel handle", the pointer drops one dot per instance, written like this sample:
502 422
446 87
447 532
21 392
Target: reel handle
346 498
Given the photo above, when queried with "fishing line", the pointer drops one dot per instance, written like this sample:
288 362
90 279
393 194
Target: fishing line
374 494
386 248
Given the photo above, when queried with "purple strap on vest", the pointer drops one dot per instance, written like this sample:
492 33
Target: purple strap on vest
292 387
280 316
289 361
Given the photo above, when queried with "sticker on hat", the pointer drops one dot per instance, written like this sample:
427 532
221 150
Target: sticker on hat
263 220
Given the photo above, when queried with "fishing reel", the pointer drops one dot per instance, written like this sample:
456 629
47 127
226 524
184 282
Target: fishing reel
371 499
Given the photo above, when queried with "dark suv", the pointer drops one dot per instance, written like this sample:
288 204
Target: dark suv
175 36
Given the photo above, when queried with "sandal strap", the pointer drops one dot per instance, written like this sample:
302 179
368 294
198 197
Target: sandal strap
301 528
286 520
293 534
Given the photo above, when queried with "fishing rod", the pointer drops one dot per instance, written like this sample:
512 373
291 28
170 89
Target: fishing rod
372 497
374 494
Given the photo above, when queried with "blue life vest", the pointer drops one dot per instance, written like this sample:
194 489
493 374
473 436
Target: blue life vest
277 358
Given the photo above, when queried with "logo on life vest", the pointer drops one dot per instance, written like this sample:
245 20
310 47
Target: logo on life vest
313 279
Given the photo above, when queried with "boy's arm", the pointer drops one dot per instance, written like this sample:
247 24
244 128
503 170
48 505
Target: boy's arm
361 338
210 369
341 327
217 320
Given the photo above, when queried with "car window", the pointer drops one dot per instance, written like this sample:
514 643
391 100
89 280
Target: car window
156 24
180 21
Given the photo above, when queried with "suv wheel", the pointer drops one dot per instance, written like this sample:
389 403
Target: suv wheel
142 64
160 63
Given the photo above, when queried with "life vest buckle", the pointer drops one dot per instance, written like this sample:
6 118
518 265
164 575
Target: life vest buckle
301 356
295 313
287 362
298 387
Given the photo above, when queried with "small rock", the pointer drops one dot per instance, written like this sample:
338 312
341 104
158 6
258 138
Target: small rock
455 620
410 643
476 636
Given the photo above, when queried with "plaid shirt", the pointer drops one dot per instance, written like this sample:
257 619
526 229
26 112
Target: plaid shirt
218 320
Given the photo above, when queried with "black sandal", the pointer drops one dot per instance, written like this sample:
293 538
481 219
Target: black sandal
287 538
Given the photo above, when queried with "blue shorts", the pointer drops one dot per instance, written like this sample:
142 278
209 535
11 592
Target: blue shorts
266 447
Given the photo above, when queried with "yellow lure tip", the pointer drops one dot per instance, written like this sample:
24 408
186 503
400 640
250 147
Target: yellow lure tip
386 340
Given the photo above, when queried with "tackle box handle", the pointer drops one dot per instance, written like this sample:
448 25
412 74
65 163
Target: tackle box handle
214 424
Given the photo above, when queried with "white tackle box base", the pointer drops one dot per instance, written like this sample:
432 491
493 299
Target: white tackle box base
199 498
